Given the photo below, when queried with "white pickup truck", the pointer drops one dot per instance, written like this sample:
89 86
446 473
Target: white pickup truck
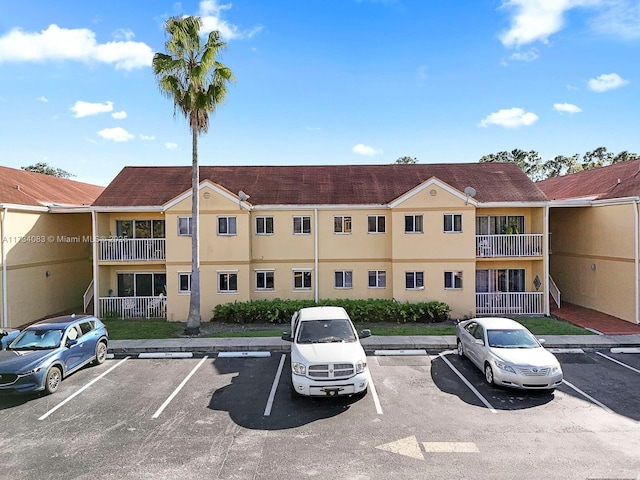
326 356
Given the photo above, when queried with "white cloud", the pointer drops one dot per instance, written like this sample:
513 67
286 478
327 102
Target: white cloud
119 115
42 99
147 138
607 81
621 18
117 134
566 108
78 44
171 146
537 20
528 56
362 149
85 109
211 14
510 118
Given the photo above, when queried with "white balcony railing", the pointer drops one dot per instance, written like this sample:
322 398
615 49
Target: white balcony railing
517 303
133 307
130 249
517 245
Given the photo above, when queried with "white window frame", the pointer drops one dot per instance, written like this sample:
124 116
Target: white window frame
376 220
263 229
227 218
180 275
265 273
342 224
189 224
380 276
414 229
450 277
452 223
220 281
305 273
347 279
414 277
302 222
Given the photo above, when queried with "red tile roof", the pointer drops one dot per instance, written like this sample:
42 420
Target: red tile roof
321 185
615 181
36 189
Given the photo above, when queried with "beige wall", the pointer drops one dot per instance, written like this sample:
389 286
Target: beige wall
592 257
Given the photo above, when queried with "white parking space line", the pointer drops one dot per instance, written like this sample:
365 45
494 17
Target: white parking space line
274 387
68 399
177 390
374 393
467 383
619 362
588 397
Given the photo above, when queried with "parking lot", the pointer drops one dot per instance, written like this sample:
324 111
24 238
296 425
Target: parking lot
425 416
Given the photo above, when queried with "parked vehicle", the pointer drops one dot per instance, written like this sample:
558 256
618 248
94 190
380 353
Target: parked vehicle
45 353
508 353
327 358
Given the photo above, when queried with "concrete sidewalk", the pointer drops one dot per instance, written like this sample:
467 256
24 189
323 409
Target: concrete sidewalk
204 346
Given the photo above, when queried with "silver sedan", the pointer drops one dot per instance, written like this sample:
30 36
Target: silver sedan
508 354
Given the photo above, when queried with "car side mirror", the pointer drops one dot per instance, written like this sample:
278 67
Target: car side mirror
365 333
71 342
479 341
542 341
3 333
286 336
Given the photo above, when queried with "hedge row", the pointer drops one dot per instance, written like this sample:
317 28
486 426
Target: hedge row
280 311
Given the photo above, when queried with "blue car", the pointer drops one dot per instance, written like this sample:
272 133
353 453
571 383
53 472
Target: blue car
46 352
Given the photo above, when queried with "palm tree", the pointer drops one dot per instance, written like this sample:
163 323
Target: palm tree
190 75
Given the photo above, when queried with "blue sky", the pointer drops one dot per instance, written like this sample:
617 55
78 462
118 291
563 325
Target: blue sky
322 82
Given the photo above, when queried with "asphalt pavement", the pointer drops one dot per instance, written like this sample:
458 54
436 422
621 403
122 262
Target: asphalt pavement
203 346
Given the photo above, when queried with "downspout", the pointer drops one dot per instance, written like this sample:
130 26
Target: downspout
315 255
545 248
94 248
3 253
635 257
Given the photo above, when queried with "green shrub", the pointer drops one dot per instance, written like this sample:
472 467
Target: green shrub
361 311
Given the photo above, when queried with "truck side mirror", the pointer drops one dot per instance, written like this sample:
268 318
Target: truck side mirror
365 333
286 336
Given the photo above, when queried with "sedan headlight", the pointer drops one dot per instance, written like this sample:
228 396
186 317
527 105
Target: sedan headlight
298 368
555 368
361 366
504 366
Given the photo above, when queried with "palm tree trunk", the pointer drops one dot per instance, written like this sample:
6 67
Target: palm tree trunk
193 321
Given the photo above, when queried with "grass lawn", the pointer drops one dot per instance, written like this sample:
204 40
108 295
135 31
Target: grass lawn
159 329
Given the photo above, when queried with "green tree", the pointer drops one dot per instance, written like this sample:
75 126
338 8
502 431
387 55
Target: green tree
406 160
561 165
42 167
598 158
190 75
530 162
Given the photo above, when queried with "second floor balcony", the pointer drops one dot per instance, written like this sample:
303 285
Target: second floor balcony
131 249
513 245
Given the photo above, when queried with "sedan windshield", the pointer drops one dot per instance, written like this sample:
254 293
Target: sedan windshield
511 339
37 340
321 331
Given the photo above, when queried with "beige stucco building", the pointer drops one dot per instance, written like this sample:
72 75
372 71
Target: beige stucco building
45 248
471 235
594 238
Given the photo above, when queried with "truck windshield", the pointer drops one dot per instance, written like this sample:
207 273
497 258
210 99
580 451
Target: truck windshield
325 331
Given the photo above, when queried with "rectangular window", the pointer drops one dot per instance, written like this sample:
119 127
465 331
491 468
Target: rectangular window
264 225
184 226
499 224
227 282
141 284
377 279
140 228
452 223
302 279
227 226
414 280
376 224
500 280
301 225
344 279
413 224
265 280
453 280
341 224
184 283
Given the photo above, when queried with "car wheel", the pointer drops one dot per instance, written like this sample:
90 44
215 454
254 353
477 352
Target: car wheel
460 349
488 374
52 380
101 353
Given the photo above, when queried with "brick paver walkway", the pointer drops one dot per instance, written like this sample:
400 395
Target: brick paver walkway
594 320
